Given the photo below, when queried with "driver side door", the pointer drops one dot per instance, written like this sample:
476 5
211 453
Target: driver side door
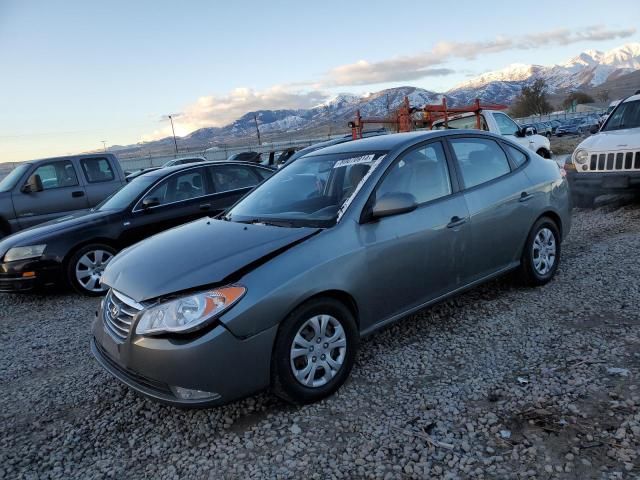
416 257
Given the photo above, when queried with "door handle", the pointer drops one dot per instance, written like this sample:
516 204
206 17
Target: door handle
77 193
456 222
205 206
524 197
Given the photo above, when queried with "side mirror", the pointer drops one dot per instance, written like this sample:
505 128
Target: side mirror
150 202
393 204
34 184
529 131
594 129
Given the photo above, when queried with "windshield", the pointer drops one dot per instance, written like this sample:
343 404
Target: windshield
309 192
626 115
126 195
8 182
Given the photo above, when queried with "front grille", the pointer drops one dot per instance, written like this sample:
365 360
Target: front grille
118 313
133 376
614 161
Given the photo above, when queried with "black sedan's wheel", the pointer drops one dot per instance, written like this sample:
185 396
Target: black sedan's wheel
314 352
541 253
85 267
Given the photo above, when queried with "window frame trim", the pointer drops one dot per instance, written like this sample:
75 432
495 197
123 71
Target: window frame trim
498 141
137 208
451 168
78 184
81 161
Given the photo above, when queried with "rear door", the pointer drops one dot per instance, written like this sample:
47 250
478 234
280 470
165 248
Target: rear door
62 194
416 257
101 178
231 183
497 192
182 197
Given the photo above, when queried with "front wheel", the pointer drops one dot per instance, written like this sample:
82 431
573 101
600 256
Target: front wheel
541 254
85 267
314 352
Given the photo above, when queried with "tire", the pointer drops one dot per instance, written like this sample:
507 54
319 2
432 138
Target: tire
583 201
329 315
536 270
85 259
543 153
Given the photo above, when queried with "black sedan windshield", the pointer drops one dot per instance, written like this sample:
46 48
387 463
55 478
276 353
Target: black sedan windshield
309 192
626 115
122 198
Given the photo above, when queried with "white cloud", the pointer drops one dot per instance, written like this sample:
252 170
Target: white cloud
421 65
217 111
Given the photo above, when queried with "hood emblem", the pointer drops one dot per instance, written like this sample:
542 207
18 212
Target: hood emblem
114 310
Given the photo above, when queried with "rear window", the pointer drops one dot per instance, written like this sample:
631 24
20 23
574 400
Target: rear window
97 170
481 160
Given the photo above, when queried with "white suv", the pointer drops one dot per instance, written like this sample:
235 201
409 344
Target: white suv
608 162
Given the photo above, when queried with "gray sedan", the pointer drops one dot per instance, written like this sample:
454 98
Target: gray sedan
278 292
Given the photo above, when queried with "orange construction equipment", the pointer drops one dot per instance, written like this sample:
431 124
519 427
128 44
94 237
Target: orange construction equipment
432 113
438 112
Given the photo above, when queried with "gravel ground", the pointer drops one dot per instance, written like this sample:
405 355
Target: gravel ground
502 382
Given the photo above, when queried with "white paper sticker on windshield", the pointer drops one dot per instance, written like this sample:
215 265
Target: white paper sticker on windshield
347 202
355 160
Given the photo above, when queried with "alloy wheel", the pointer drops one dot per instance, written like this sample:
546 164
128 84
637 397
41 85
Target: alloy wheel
89 269
544 251
318 351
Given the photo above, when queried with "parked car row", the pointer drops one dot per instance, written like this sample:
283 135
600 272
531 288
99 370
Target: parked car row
571 126
76 248
225 278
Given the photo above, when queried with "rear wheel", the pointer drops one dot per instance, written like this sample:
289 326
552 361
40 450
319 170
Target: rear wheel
541 254
314 352
85 267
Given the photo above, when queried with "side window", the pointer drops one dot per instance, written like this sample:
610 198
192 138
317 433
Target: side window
469 122
263 173
97 170
516 155
422 172
480 160
233 177
57 175
505 124
179 187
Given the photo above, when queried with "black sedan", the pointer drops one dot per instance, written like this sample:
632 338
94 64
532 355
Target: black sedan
75 249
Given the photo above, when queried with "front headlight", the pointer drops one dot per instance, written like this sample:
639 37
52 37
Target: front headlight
581 156
188 313
23 253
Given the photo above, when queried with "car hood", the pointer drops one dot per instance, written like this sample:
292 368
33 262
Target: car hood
59 226
199 253
627 139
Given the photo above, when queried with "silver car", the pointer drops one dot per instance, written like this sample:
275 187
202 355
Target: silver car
278 292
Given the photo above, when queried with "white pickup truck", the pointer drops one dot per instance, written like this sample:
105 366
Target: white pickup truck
499 122
609 161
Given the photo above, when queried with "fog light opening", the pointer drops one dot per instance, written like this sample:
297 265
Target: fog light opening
189 394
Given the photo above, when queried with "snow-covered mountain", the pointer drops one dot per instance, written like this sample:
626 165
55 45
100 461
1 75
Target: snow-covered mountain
588 69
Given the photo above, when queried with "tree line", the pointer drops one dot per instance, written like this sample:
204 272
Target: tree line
533 100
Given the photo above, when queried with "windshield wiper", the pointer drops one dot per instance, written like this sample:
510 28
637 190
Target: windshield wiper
274 223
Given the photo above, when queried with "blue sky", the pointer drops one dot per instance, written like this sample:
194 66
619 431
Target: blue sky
75 73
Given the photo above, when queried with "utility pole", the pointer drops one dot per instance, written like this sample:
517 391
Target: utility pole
174 134
255 119
104 145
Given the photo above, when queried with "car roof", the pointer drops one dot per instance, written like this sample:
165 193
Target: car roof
632 98
161 172
397 141
69 157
